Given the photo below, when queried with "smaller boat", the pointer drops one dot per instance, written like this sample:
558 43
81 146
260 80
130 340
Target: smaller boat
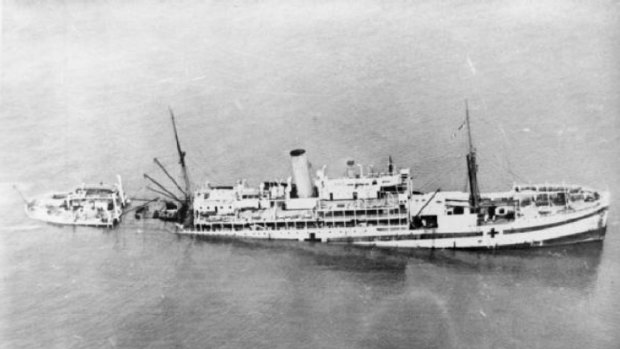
168 211
95 205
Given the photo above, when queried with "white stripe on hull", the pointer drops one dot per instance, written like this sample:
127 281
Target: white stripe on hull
535 238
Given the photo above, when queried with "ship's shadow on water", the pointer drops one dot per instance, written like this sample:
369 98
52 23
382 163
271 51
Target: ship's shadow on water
490 259
335 257
574 266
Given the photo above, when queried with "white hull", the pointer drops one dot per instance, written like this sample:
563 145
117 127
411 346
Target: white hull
579 226
66 219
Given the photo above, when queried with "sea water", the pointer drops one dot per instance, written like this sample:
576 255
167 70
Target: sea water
85 94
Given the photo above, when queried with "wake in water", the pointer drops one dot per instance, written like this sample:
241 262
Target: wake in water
16 228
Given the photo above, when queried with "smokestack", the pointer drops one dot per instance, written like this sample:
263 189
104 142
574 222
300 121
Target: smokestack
301 173
350 173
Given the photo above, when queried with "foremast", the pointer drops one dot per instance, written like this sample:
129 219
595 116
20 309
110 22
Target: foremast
186 212
472 167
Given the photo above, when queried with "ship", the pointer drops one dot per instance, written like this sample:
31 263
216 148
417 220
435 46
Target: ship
382 209
94 205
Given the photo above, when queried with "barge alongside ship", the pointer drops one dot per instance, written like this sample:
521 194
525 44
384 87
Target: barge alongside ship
384 210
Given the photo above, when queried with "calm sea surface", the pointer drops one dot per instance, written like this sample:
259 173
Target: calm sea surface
85 89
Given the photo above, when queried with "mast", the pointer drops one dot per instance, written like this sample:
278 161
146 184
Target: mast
168 192
472 167
169 176
188 219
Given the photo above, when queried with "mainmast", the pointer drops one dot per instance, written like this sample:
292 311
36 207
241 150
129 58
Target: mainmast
472 167
188 192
